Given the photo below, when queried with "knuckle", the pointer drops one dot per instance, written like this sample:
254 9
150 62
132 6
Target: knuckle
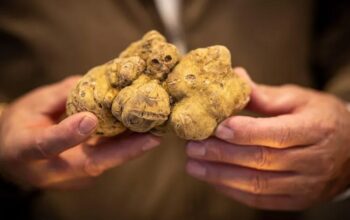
262 157
40 147
214 152
48 148
282 136
258 183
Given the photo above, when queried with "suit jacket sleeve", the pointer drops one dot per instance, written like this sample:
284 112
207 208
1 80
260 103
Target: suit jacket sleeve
331 60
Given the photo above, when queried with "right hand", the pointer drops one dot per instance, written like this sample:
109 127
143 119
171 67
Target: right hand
36 151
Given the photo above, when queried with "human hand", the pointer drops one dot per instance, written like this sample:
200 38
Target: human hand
37 151
296 158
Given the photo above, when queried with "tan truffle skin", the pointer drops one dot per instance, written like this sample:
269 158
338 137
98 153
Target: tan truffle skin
131 89
145 104
94 94
123 71
160 56
96 91
206 91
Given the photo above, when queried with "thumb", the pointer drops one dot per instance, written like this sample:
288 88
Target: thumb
55 139
271 100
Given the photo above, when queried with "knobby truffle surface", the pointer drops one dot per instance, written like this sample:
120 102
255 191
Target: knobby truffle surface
148 88
206 91
126 92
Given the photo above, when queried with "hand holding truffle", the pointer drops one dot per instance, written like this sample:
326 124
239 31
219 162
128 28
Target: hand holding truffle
296 158
39 150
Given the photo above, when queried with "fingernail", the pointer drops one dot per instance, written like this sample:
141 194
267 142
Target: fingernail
87 125
196 169
224 132
196 149
151 143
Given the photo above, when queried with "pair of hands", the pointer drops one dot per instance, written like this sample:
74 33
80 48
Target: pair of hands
298 156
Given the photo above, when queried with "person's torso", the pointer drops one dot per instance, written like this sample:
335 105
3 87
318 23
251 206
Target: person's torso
269 38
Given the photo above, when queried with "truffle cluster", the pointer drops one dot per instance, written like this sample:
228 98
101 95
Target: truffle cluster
149 87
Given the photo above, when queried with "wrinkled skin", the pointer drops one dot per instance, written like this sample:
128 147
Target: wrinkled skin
206 91
147 85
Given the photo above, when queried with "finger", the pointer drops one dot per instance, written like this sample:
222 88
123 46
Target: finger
301 159
91 161
277 132
53 174
51 99
273 100
267 202
276 100
240 71
51 141
257 157
117 152
79 165
248 180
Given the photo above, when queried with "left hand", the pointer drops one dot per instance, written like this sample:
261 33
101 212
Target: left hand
296 158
